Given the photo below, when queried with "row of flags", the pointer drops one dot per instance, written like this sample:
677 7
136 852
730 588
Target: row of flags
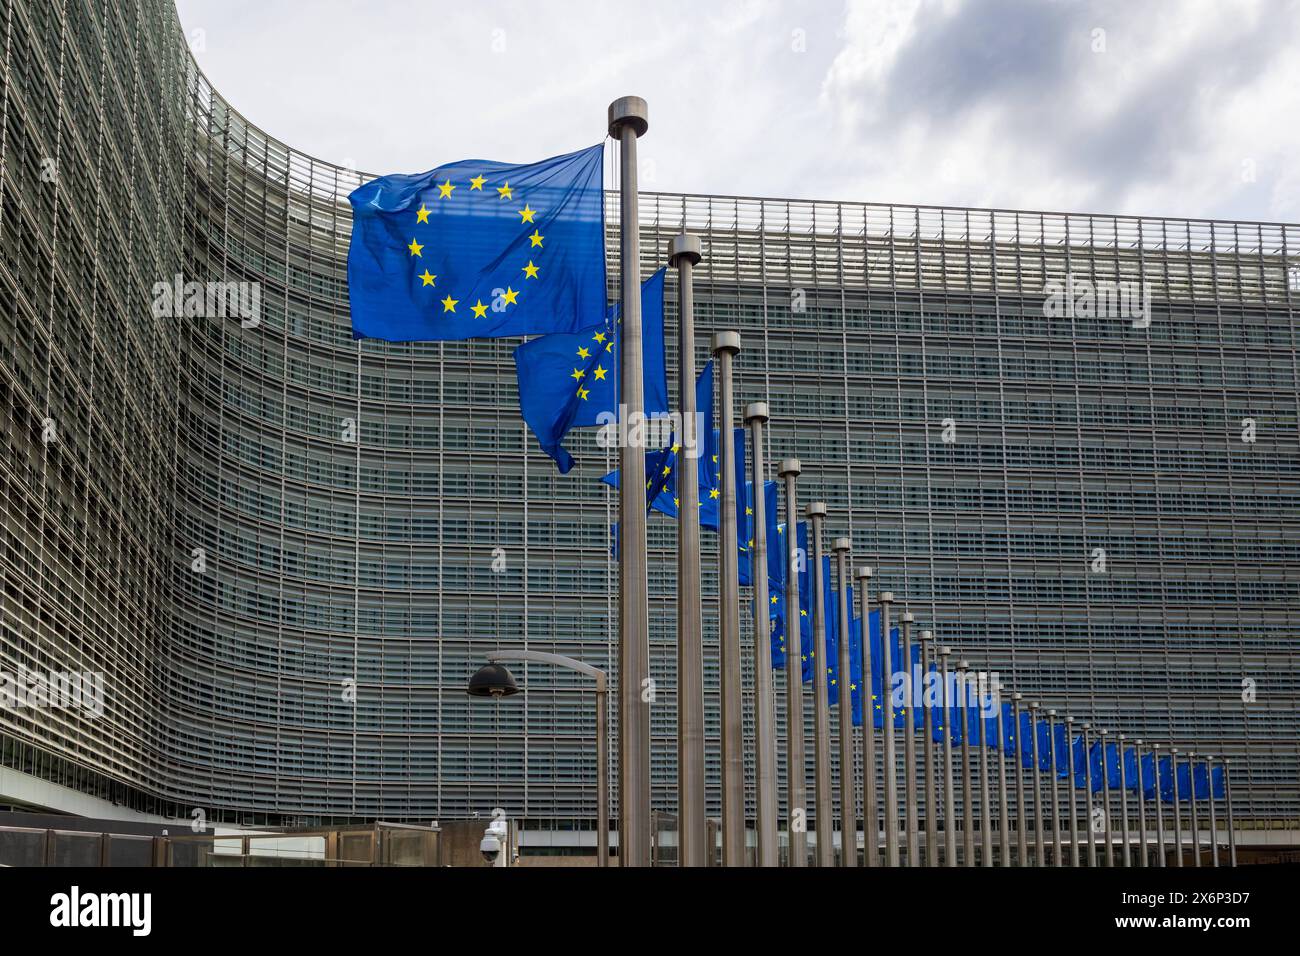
981 717
482 249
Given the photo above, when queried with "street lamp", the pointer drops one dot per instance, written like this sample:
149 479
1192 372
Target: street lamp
495 681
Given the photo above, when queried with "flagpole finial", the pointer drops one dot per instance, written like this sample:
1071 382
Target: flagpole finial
725 342
886 597
1033 705
908 618
756 412
630 111
1070 720
1138 742
864 573
816 509
1016 695
1051 712
963 665
791 467
927 636
945 651
685 247
841 544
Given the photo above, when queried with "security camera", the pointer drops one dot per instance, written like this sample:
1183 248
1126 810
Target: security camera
490 847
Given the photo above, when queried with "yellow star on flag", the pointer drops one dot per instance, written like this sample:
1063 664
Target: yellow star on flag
510 296
479 309
477 182
428 277
526 214
449 304
536 238
577 374
583 352
530 270
444 190
422 214
415 248
504 191
600 373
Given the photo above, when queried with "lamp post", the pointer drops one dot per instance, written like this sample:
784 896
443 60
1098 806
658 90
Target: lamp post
493 680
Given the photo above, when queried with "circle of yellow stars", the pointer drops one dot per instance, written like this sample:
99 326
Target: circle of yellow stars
527 216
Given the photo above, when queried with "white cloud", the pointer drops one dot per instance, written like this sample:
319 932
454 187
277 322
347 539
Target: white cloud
999 103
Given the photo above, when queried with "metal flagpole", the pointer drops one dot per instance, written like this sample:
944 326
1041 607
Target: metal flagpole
628 120
986 825
1214 820
870 817
1058 845
1143 844
725 346
1178 816
1105 797
756 415
1227 797
1040 846
967 811
1160 810
1004 822
1123 805
1191 804
1022 847
1091 845
1074 802
796 772
890 768
949 804
909 746
848 787
692 827
816 513
927 712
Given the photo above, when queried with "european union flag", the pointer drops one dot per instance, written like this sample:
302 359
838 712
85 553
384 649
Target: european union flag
571 380
479 249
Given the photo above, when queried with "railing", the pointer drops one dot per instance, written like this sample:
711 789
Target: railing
380 844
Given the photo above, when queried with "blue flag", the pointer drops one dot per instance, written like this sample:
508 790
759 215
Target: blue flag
570 380
479 249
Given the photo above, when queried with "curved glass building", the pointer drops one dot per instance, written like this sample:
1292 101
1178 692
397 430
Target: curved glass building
286 551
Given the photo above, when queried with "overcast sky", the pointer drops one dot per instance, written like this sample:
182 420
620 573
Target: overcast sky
1165 107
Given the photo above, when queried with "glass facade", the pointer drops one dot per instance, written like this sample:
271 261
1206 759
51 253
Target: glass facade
284 548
